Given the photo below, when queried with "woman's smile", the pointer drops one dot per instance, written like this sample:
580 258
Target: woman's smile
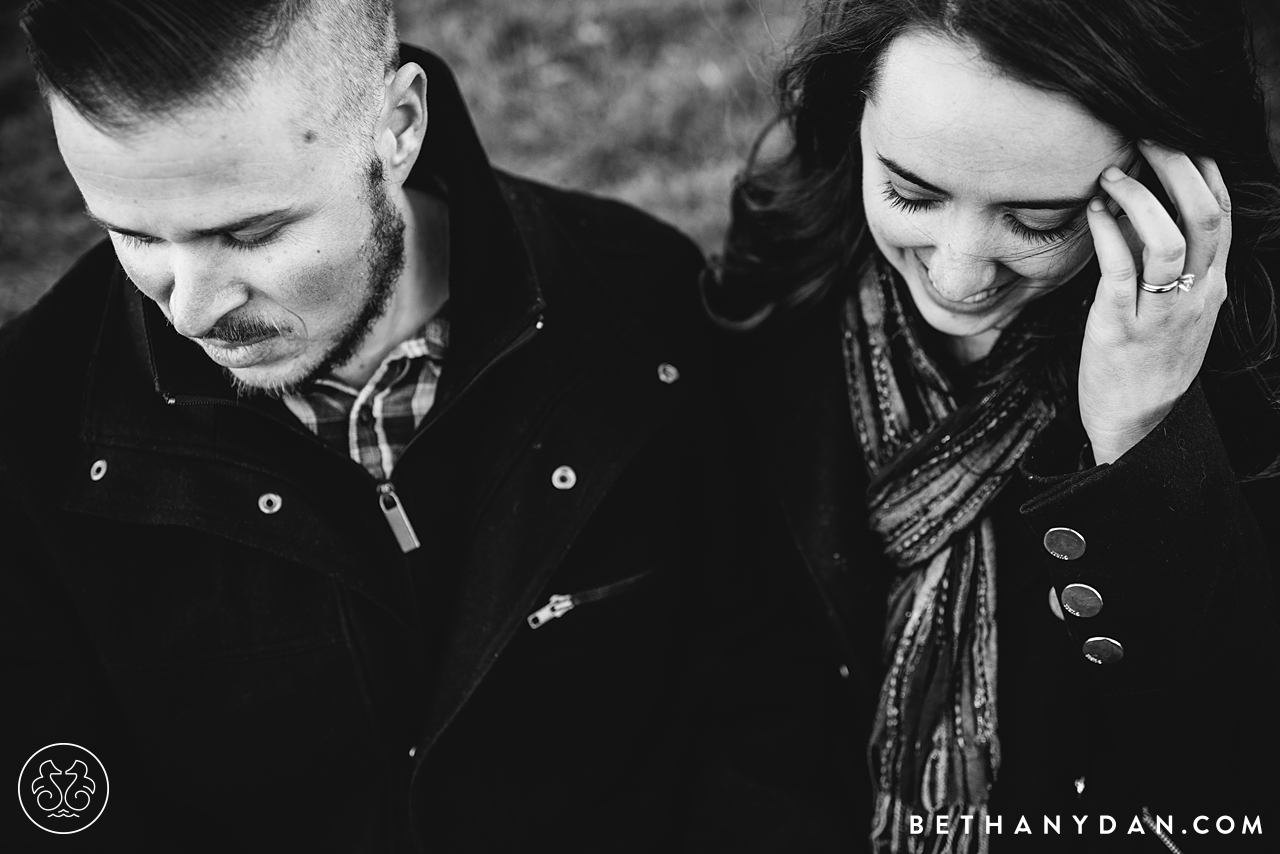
974 186
979 302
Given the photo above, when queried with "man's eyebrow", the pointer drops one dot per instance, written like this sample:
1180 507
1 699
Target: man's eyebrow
1021 204
226 228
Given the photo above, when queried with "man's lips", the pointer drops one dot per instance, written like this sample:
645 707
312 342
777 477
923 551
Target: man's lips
229 344
243 353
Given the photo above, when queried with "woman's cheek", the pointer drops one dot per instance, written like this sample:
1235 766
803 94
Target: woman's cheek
893 227
1059 263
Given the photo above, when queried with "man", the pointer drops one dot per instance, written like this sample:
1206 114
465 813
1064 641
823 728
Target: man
359 496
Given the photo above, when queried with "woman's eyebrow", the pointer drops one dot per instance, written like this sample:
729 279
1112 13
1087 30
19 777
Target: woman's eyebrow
1050 204
904 172
1021 204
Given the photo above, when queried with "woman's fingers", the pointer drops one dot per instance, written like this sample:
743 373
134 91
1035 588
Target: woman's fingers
1142 350
1213 180
1164 253
1118 285
1212 176
1131 238
1200 212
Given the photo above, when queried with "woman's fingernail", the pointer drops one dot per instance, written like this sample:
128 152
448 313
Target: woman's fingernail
1096 205
1113 173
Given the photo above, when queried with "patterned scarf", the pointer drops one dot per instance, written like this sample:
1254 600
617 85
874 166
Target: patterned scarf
935 469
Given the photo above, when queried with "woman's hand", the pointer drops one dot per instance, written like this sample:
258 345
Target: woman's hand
1142 350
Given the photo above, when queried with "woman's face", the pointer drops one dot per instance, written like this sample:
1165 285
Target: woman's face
975 185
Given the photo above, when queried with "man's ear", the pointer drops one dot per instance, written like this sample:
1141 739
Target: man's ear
403 124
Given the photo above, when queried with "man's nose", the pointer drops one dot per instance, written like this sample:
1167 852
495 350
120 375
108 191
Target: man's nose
961 265
202 291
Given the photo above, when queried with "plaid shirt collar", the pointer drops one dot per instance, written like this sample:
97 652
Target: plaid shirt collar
372 425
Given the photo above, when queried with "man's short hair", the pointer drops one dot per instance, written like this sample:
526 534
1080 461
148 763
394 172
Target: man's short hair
119 63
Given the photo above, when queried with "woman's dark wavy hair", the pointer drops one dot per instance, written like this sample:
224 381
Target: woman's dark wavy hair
1178 72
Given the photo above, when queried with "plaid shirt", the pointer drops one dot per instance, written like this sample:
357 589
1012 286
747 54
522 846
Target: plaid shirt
373 424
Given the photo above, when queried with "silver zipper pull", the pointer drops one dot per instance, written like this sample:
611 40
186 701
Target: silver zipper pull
391 507
559 605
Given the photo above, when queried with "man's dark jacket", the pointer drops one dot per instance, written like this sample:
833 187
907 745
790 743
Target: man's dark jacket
291 680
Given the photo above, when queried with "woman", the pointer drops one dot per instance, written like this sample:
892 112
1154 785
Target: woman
1012 342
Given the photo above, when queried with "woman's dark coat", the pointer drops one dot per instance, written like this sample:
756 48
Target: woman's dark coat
1187 723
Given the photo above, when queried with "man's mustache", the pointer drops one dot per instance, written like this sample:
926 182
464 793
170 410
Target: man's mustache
237 330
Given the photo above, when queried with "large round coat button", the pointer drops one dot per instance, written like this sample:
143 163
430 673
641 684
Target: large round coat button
564 478
1101 650
1081 600
1053 604
668 373
1064 543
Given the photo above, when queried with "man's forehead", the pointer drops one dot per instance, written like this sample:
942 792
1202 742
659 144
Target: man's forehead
209 166
263 97
257 139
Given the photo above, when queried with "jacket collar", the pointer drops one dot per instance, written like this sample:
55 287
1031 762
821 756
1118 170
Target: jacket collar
805 430
494 289
502 231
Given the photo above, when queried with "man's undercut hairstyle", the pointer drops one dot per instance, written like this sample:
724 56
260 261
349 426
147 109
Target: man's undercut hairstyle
120 63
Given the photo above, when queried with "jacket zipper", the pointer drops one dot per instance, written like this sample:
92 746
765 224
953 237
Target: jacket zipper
562 603
393 511
520 340
388 501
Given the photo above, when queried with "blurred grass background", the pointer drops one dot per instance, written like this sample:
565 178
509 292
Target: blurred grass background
653 101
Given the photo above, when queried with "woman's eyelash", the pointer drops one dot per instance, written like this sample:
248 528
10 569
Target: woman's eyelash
1047 235
1040 235
897 200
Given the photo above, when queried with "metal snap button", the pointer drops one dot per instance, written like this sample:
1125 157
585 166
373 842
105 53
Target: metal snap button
1064 543
269 502
1081 600
412 752
1102 650
564 478
1053 604
844 671
668 373
98 470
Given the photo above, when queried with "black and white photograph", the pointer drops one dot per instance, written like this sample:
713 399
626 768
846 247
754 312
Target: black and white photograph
607 426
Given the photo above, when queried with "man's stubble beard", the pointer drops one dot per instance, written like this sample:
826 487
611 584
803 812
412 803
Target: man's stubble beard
384 253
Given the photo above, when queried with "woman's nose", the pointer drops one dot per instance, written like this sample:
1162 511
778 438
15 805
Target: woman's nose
958 272
961 263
